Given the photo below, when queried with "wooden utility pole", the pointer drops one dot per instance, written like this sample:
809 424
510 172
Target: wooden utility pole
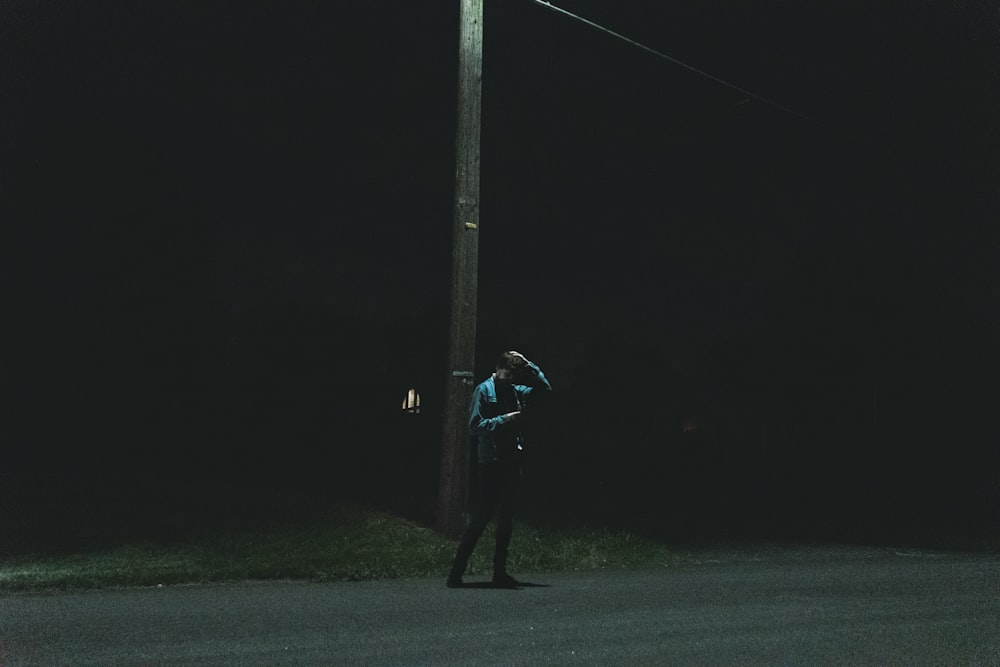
454 480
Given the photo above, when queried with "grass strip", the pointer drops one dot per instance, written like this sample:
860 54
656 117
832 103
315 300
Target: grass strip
345 543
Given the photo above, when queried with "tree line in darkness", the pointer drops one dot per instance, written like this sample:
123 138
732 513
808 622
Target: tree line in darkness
855 400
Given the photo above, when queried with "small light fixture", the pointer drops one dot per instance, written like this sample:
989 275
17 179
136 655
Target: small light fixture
411 403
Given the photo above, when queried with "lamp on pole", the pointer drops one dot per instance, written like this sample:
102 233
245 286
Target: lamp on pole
454 476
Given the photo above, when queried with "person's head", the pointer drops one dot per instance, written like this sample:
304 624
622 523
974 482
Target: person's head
510 366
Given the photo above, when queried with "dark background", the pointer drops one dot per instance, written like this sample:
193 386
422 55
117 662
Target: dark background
225 246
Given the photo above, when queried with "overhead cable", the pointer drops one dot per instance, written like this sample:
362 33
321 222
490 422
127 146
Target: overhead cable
760 98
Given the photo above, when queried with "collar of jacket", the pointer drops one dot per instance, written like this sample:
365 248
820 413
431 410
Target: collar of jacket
491 387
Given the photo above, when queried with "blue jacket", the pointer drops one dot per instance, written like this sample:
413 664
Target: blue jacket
496 437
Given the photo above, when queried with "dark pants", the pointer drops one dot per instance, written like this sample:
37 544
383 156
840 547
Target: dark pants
497 482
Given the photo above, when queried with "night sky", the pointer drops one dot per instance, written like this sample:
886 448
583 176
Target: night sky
225 230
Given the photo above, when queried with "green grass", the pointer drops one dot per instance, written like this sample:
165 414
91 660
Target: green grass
340 543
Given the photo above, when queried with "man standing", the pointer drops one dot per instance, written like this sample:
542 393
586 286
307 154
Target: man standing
496 420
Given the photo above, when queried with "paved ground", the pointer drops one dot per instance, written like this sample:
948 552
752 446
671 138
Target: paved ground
774 606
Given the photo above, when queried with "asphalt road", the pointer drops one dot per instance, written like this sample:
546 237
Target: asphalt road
768 606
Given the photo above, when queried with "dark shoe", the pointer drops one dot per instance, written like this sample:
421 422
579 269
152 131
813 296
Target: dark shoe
504 580
455 581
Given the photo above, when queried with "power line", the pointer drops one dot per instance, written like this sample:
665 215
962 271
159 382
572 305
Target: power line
760 98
